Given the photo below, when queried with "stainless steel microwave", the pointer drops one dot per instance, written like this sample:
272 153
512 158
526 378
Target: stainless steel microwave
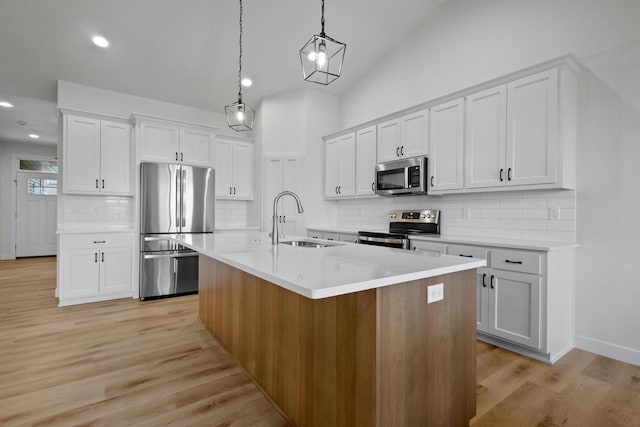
405 176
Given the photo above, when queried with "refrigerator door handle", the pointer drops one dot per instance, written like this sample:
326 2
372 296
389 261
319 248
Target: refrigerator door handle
178 202
183 220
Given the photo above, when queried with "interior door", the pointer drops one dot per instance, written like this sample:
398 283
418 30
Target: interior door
36 214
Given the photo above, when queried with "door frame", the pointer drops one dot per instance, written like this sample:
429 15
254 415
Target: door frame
15 158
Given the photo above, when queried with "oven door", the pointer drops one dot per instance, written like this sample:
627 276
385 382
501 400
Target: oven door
383 239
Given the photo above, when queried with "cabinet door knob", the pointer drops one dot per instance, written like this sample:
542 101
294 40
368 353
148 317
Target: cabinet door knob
491 281
501 175
509 174
484 276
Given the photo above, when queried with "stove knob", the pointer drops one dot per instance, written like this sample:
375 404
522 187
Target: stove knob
393 216
428 215
424 215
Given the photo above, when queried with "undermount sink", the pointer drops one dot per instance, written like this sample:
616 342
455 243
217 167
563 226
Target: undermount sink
309 244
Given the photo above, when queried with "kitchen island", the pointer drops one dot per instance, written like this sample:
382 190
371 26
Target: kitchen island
343 335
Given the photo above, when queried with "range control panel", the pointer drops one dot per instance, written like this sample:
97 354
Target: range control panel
424 216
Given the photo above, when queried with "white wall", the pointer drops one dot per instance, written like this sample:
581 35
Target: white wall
295 122
471 41
6 183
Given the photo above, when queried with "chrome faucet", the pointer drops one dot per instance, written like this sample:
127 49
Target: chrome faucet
275 233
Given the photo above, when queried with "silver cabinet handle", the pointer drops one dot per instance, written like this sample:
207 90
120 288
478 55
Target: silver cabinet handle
181 156
339 189
402 150
491 281
230 192
336 190
95 257
397 151
432 181
484 276
501 175
102 253
509 175
176 156
234 190
103 183
96 183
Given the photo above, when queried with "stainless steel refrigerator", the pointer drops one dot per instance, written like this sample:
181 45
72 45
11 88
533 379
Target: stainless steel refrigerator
173 199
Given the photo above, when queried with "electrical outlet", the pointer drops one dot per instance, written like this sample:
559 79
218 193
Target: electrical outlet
554 213
435 293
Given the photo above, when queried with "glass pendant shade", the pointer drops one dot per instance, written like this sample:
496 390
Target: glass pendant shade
239 116
321 59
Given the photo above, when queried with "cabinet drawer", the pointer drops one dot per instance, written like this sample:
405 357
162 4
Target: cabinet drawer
331 236
467 251
427 247
512 260
98 240
348 237
314 234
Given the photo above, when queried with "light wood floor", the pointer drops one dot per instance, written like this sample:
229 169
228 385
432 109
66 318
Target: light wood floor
126 363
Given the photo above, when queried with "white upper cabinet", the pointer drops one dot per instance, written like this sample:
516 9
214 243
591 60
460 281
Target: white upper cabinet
486 138
532 129
234 166
168 142
446 146
365 161
518 132
340 161
115 158
405 136
96 156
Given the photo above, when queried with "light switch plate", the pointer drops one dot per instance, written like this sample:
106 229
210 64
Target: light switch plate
435 293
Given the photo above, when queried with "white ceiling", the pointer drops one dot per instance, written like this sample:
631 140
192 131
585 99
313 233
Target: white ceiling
186 51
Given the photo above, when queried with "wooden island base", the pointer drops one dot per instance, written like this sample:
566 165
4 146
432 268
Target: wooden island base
381 357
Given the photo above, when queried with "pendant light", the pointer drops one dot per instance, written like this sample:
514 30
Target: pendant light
239 115
322 57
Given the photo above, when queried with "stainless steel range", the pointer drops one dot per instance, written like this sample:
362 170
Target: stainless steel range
402 224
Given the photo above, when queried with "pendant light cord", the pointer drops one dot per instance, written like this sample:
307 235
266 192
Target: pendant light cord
240 60
322 19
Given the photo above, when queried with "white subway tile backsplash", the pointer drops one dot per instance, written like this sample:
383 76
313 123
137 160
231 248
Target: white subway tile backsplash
509 215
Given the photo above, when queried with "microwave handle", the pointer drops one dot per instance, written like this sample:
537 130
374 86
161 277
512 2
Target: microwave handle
406 177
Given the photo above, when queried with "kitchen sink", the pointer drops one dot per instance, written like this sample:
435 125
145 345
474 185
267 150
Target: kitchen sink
309 244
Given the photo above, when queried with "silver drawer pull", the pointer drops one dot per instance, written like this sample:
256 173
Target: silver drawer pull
512 262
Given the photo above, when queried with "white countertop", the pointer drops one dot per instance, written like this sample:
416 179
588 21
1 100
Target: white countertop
532 245
94 230
323 272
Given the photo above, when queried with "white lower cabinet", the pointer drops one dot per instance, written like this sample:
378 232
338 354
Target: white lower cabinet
94 267
340 237
524 299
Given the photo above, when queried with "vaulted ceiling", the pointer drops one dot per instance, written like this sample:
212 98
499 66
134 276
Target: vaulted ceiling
186 51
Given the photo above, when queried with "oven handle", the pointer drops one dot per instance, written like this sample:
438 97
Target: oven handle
382 240
178 255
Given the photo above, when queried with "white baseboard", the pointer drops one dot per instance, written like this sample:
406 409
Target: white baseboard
606 349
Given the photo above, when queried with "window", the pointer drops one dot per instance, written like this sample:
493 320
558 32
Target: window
39 165
42 186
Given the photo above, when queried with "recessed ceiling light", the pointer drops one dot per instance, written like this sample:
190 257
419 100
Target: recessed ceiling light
100 41
34 136
246 82
6 104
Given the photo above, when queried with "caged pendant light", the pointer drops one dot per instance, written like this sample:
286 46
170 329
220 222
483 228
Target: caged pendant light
322 57
239 115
